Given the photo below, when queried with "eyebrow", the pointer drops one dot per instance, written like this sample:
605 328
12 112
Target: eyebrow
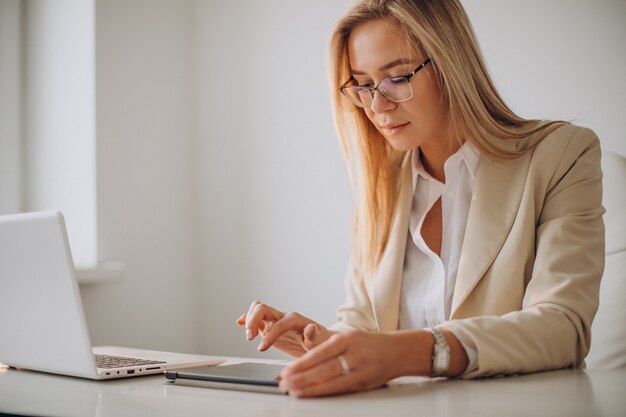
389 65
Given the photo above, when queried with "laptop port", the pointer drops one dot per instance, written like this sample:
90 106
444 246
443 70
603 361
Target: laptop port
153 368
130 371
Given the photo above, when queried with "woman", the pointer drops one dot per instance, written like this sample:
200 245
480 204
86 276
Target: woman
478 238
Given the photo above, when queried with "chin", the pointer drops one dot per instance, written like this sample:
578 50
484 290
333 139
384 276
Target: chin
401 144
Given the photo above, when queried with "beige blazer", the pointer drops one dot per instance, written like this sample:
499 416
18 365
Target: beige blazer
530 268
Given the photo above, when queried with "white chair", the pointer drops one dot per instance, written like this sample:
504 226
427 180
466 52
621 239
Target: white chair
608 332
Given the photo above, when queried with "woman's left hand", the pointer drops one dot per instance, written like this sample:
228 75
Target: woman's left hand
346 362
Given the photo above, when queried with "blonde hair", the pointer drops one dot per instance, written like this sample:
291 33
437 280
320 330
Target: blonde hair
441 30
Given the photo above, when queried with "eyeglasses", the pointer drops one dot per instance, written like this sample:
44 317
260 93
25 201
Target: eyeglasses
396 89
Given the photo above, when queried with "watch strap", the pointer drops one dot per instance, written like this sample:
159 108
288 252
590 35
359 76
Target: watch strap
441 353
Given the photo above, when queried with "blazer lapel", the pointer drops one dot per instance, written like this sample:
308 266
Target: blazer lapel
384 284
495 202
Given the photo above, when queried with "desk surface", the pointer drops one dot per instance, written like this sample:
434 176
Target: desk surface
560 393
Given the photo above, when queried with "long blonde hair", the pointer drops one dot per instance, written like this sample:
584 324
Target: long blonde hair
441 30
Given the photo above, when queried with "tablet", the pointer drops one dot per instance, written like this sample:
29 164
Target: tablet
247 376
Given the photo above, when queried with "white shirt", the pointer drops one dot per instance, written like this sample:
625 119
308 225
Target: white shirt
428 280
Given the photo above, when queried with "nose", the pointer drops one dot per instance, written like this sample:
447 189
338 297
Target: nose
380 103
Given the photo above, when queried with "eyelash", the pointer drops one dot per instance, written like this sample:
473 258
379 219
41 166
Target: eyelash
371 83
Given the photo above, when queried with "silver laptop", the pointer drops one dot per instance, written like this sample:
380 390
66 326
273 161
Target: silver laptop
42 323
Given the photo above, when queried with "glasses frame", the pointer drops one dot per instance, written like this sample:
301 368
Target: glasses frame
344 87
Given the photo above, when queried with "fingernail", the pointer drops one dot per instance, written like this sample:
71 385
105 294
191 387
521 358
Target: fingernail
284 388
249 334
262 345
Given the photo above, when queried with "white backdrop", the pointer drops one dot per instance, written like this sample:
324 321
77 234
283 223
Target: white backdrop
220 177
558 59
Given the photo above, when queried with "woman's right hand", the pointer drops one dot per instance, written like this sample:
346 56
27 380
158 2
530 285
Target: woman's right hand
291 333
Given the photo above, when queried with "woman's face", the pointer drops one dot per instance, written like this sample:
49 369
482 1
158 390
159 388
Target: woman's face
378 50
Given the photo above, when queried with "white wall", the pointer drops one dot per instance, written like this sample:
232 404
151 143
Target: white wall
274 199
145 177
559 59
10 107
59 115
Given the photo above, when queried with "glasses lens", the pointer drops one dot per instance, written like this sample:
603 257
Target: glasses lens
397 89
360 96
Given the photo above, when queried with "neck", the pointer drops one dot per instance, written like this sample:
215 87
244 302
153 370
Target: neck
435 153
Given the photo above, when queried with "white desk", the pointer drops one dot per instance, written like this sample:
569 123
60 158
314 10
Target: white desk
561 393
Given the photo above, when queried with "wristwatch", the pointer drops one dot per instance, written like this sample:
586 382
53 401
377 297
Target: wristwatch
441 353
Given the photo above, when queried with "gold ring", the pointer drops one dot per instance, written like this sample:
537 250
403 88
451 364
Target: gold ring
345 368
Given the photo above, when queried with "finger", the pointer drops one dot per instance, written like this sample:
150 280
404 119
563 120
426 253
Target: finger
260 315
341 385
241 321
246 320
265 327
315 334
255 318
251 309
310 335
291 321
324 372
334 346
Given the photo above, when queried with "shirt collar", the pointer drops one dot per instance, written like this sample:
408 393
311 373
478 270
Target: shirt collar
469 155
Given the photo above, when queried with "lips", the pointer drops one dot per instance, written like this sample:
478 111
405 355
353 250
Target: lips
392 128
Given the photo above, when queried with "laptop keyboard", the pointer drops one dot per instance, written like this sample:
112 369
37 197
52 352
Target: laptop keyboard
108 361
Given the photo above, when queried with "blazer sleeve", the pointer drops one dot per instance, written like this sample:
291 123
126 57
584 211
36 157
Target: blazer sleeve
553 328
356 313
